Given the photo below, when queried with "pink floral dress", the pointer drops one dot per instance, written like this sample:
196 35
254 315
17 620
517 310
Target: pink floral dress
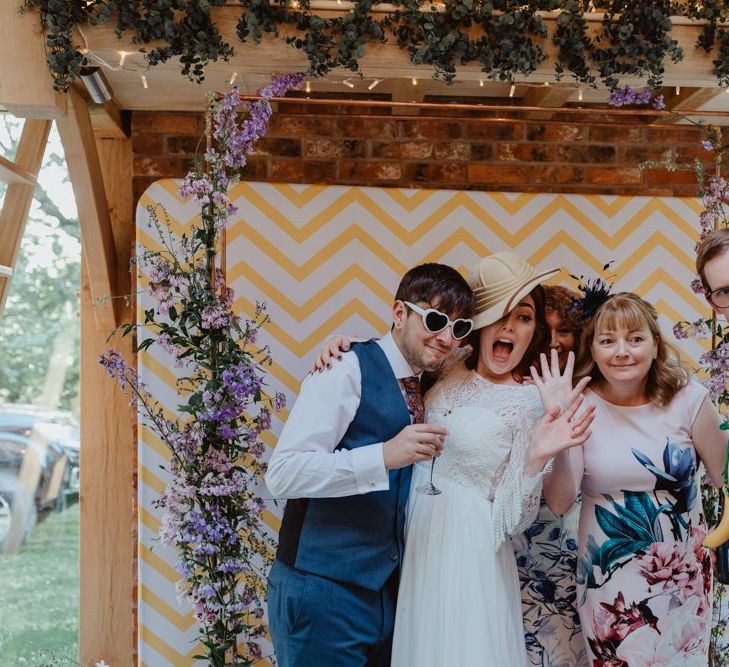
643 578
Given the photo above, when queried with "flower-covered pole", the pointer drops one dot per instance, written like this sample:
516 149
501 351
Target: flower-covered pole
211 512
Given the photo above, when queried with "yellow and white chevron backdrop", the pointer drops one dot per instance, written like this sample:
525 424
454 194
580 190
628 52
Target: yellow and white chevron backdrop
328 259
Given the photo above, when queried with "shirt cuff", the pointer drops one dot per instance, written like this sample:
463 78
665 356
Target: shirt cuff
369 468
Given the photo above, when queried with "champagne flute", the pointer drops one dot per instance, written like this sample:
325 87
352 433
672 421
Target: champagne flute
430 489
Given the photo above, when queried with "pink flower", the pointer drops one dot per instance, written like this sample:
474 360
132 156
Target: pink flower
679 640
672 568
615 621
697 287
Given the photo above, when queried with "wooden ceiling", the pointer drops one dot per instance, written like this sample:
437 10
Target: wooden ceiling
386 74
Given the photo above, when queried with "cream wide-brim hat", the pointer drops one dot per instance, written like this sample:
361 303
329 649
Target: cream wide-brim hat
499 282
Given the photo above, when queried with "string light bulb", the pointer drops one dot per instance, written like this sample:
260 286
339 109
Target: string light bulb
415 81
144 80
233 77
512 90
348 83
122 59
480 83
376 82
678 90
307 88
580 94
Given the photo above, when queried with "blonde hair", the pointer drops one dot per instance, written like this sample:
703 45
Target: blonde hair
667 374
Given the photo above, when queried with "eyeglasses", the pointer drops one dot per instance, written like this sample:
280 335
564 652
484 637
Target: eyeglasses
719 297
434 321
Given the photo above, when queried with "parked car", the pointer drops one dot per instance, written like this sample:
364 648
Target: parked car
50 463
53 437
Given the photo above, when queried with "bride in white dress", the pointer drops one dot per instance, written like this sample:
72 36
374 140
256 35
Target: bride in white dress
459 601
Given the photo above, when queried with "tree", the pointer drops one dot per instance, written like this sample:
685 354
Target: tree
39 329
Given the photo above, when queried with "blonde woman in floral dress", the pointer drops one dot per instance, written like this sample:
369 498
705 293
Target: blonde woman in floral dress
643 576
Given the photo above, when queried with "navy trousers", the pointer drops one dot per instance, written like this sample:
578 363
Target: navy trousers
317 622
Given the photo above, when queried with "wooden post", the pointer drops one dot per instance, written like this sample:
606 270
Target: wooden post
24 498
108 448
19 197
82 157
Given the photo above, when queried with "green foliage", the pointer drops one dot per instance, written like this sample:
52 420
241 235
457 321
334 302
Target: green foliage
39 598
507 37
636 34
44 294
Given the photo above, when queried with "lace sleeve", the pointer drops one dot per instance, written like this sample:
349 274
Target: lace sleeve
516 498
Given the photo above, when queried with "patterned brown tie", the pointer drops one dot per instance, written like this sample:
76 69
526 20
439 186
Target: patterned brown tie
414 398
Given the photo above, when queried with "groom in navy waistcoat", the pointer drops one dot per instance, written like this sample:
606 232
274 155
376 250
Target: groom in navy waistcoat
343 464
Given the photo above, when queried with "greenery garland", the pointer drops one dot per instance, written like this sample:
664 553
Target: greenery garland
507 37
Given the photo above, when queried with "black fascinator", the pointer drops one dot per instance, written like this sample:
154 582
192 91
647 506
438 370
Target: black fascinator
595 292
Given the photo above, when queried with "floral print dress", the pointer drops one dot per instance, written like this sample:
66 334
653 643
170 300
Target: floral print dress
546 557
643 576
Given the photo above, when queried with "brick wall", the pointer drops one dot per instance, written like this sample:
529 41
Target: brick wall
332 145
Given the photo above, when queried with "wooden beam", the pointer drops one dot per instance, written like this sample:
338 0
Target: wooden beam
553 97
27 85
108 449
12 173
403 90
109 121
167 89
29 475
687 99
19 196
77 136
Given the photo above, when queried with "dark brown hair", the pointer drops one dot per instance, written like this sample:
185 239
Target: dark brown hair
535 346
716 243
561 300
439 285
667 374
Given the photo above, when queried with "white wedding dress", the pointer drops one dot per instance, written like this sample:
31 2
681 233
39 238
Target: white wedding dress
459 601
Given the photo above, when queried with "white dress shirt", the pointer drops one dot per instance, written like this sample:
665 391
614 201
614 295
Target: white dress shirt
305 463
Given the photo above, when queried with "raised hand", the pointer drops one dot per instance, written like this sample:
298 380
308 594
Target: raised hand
556 432
555 386
332 349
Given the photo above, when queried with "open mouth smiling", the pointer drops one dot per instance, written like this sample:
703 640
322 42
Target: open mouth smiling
502 349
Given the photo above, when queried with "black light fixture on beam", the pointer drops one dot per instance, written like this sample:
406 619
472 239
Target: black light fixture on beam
95 84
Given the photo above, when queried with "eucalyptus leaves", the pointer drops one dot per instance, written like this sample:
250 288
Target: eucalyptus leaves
507 38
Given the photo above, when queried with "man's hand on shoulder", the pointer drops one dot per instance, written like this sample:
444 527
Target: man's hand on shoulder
417 442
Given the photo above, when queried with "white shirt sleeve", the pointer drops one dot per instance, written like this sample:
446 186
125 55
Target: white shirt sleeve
304 463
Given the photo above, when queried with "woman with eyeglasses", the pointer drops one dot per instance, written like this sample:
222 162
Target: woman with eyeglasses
712 265
459 599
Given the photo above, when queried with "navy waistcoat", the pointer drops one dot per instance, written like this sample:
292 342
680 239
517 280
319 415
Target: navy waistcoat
356 539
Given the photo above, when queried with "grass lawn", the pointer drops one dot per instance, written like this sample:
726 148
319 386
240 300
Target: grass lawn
39 597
